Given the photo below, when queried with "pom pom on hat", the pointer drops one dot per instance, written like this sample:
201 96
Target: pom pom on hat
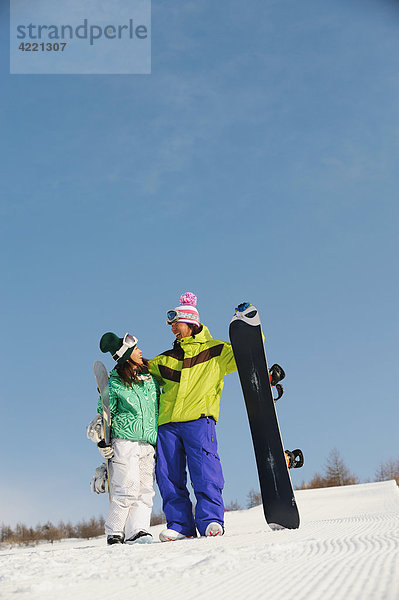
188 298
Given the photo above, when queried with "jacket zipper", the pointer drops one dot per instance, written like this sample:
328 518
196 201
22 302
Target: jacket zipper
141 410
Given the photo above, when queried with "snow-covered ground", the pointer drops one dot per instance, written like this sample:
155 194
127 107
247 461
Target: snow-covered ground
346 548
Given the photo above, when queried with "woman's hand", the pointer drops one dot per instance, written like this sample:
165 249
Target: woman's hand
105 451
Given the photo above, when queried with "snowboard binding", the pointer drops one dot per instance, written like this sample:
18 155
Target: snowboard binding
294 458
276 374
248 313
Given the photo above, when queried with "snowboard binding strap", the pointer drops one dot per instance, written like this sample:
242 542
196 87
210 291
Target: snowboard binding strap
294 458
280 392
277 374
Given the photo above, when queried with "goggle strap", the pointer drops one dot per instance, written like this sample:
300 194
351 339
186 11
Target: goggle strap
125 346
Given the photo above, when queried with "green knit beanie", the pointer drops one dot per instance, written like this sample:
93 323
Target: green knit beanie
111 343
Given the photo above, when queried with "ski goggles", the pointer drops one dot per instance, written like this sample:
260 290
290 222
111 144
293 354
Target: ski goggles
174 315
129 341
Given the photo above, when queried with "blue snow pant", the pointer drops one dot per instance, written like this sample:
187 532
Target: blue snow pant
193 442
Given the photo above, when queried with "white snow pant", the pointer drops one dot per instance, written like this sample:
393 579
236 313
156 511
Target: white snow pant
131 473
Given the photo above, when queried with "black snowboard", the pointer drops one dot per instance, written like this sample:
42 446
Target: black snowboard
278 498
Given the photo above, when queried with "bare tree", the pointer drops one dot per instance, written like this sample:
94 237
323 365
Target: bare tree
388 470
253 498
317 481
5 532
50 533
233 505
89 529
158 518
336 474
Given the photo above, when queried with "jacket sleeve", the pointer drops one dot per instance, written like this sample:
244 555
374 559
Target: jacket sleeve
228 360
154 370
157 402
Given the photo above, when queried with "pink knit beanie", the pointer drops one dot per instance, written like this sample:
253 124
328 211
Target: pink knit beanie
188 302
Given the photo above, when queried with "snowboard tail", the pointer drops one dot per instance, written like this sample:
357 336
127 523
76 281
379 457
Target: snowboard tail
279 503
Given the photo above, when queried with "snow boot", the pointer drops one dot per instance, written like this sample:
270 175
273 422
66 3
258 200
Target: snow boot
114 539
142 537
170 535
214 529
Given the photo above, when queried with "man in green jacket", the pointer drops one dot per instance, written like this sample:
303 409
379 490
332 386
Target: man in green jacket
191 376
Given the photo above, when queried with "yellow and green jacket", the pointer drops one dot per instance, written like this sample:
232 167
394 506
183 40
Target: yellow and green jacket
191 376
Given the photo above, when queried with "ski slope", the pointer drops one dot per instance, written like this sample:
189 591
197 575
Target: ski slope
346 548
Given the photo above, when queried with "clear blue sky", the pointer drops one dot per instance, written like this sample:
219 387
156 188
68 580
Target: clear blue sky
258 161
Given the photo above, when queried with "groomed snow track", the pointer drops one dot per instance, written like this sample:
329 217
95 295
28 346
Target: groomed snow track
347 547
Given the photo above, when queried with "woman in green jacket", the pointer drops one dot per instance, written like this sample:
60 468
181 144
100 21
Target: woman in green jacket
134 397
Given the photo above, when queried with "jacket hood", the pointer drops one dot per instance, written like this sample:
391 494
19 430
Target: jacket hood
199 338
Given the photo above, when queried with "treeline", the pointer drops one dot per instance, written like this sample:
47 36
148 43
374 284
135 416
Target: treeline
335 473
30 536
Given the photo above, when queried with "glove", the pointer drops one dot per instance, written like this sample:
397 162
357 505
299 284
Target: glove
95 430
105 451
99 482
